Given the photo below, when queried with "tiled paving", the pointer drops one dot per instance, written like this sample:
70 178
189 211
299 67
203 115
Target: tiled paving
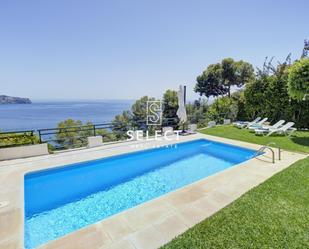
148 225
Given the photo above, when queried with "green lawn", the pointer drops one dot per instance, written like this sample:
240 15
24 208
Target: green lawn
298 142
274 214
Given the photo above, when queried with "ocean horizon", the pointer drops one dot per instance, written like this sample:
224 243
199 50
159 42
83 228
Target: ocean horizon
43 114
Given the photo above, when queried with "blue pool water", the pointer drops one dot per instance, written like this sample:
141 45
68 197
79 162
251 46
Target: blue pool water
62 200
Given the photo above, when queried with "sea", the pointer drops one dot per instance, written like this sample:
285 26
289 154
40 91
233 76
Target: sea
47 114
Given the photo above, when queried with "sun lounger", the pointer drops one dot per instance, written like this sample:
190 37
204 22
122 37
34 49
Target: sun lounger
191 130
285 129
257 125
254 122
241 124
265 129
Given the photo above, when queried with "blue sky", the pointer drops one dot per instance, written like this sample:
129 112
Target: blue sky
76 49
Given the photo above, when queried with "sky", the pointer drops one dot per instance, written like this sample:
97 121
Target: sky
76 49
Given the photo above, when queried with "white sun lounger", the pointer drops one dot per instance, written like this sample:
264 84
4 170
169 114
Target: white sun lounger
287 128
242 124
257 125
264 129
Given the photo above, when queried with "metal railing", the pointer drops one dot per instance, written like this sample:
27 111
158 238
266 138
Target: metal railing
260 150
278 147
76 136
17 138
83 131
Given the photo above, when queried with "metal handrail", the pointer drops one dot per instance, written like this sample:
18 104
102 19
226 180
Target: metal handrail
266 147
277 146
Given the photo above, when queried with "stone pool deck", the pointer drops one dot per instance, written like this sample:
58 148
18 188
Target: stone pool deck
149 225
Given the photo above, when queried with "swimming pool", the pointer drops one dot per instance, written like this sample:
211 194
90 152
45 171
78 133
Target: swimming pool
61 200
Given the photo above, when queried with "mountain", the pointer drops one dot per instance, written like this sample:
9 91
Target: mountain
13 100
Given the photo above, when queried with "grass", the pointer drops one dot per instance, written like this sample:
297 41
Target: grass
298 142
273 215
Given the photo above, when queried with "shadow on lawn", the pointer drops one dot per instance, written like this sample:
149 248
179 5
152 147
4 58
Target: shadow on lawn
304 141
301 138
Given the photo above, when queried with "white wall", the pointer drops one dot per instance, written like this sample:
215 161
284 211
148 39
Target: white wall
23 151
95 141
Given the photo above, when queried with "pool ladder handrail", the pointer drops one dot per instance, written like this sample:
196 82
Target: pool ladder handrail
278 147
262 149
272 151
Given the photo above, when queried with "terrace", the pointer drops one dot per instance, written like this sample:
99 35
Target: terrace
154 124
157 221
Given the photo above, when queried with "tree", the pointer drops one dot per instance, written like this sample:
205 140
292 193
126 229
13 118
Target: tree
306 49
235 73
121 124
71 134
255 96
221 108
219 78
107 135
298 79
139 108
238 98
268 96
210 83
196 112
139 113
276 95
170 107
133 119
170 102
